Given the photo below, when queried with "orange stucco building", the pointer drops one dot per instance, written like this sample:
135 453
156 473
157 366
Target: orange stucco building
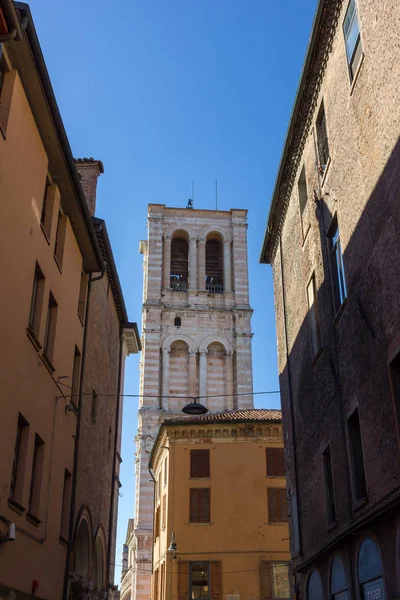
51 254
220 521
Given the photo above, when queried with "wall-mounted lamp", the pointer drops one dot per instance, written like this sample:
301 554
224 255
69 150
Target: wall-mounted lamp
172 546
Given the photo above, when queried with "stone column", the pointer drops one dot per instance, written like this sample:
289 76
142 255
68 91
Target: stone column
165 378
227 266
202 264
229 379
203 376
167 261
193 264
193 373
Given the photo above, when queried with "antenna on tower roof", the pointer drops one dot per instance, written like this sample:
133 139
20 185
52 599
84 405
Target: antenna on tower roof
191 200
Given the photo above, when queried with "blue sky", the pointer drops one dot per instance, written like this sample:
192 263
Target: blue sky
166 92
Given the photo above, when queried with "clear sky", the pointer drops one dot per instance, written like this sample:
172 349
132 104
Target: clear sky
166 92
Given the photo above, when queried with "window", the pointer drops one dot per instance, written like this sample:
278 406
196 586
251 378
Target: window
303 197
199 580
50 331
357 457
199 464
165 471
275 462
157 522
199 505
294 522
280 580
156 576
66 501
313 317
352 39
60 239
329 489
36 301
164 511
322 140
19 460
314 587
94 407
82 297
277 505
177 322
76 370
337 266
36 478
179 264
214 266
370 571
46 217
339 587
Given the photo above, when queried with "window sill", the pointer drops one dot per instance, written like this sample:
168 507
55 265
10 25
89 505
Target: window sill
62 540
357 504
47 362
59 266
325 173
196 523
353 83
316 358
46 235
199 478
32 519
32 336
275 476
278 523
16 506
340 311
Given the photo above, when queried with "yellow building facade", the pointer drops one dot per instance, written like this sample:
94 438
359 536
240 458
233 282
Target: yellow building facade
220 519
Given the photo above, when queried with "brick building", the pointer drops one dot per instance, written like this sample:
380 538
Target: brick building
333 242
196 336
109 339
127 563
212 538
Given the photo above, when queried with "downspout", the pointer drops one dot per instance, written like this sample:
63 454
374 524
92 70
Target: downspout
113 473
154 505
289 379
77 438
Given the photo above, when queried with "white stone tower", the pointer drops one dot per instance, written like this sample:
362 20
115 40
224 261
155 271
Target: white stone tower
196 335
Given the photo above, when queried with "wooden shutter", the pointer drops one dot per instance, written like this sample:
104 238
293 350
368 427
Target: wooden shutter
164 511
272 505
216 580
204 505
199 463
155 584
194 505
183 580
275 462
266 579
283 507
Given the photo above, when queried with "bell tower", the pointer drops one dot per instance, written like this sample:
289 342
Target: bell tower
196 336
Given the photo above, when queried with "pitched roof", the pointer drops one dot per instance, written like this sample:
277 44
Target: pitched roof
229 416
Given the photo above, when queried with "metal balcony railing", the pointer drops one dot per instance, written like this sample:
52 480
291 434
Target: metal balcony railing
178 285
214 285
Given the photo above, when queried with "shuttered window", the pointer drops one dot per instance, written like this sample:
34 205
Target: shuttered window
216 580
199 463
199 505
275 462
265 574
277 505
164 511
183 580
157 523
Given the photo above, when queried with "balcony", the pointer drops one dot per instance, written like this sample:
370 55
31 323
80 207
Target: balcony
214 285
177 284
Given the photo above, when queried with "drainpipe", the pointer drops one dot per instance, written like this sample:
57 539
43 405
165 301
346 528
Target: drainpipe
154 505
77 438
113 473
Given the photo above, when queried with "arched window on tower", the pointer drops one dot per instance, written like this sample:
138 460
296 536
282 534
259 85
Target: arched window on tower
214 264
98 565
314 587
370 572
179 262
81 562
339 587
177 322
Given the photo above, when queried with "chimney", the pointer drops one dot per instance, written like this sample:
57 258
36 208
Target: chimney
89 169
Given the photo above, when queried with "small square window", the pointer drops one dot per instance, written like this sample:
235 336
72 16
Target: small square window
337 265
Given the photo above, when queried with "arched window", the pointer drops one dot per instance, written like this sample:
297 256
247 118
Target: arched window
214 264
314 587
178 383
339 588
98 565
81 562
177 322
179 262
370 572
